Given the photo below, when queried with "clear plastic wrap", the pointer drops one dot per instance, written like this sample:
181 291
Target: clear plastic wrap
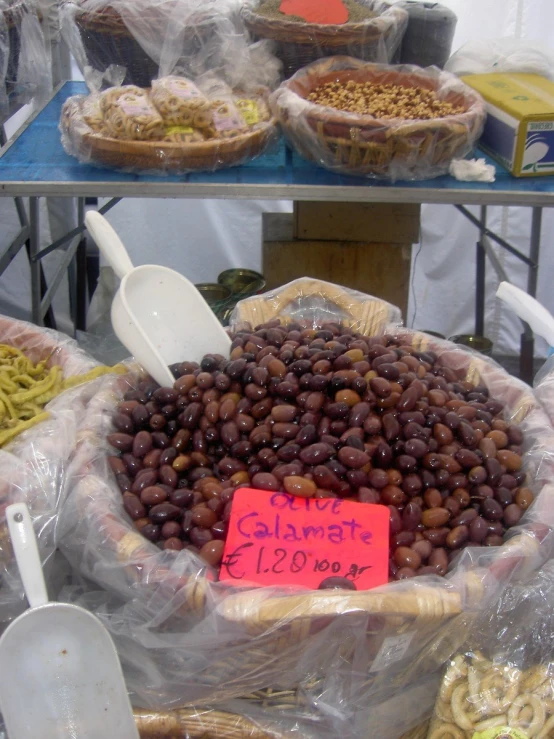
501 55
297 44
544 387
33 464
379 145
208 84
231 129
133 42
320 663
316 302
25 70
501 684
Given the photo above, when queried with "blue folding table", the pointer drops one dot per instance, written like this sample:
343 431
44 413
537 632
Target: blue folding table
34 164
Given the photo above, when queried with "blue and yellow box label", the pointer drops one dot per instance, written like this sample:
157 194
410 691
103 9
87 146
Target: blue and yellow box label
519 131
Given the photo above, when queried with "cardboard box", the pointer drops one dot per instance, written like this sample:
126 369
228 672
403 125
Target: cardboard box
380 269
395 223
519 131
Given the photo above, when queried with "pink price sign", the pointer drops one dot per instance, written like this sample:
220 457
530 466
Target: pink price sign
279 539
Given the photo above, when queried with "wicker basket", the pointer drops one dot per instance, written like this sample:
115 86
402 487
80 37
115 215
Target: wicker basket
108 41
363 145
161 156
298 44
214 724
270 632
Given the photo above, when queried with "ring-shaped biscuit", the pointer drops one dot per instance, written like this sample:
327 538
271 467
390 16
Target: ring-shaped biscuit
499 688
443 711
539 714
462 717
547 730
534 677
456 671
491 723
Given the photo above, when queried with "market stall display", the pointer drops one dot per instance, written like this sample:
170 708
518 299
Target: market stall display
373 33
389 122
502 683
34 455
178 131
187 640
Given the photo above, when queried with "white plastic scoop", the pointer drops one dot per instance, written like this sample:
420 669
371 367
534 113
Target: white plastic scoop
61 677
529 310
157 314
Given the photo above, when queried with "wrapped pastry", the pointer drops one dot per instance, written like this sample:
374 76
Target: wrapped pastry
180 102
253 111
227 120
183 135
93 115
130 114
501 686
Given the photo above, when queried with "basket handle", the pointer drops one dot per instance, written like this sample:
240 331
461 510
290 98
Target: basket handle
307 287
367 315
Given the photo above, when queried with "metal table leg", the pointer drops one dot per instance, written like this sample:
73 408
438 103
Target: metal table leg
527 338
35 266
76 278
480 276
81 264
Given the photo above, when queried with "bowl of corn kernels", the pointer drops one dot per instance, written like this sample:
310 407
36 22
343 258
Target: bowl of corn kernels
394 122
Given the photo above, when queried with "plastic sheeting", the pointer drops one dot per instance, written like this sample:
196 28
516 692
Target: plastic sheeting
371 144
33 464
501 682
186 641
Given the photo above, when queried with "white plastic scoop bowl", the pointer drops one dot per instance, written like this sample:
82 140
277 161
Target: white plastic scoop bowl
157 314
61 674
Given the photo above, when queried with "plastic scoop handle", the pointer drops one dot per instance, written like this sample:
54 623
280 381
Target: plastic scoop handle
528 309
109 243
25 548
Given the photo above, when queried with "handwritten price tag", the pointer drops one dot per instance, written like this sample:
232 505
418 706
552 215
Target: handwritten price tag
278 539
328 12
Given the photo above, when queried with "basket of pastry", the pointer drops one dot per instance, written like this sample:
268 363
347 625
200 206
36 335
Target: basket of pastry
391 122
171 127
371 30
319 410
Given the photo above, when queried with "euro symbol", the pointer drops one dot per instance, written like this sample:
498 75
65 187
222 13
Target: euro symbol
233 559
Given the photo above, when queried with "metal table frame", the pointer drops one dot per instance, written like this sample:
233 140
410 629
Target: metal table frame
336 188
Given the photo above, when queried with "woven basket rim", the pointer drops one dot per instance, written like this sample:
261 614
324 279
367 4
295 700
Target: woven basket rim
388 15
334 116
177 155
105 17
131 545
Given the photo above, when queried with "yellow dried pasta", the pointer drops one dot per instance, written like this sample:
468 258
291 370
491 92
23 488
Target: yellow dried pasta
25 388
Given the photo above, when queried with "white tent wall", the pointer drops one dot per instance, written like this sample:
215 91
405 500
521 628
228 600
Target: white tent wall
443 272
202 237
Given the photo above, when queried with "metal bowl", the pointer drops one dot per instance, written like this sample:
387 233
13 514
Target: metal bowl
433 333
242 282
216 296
479 343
